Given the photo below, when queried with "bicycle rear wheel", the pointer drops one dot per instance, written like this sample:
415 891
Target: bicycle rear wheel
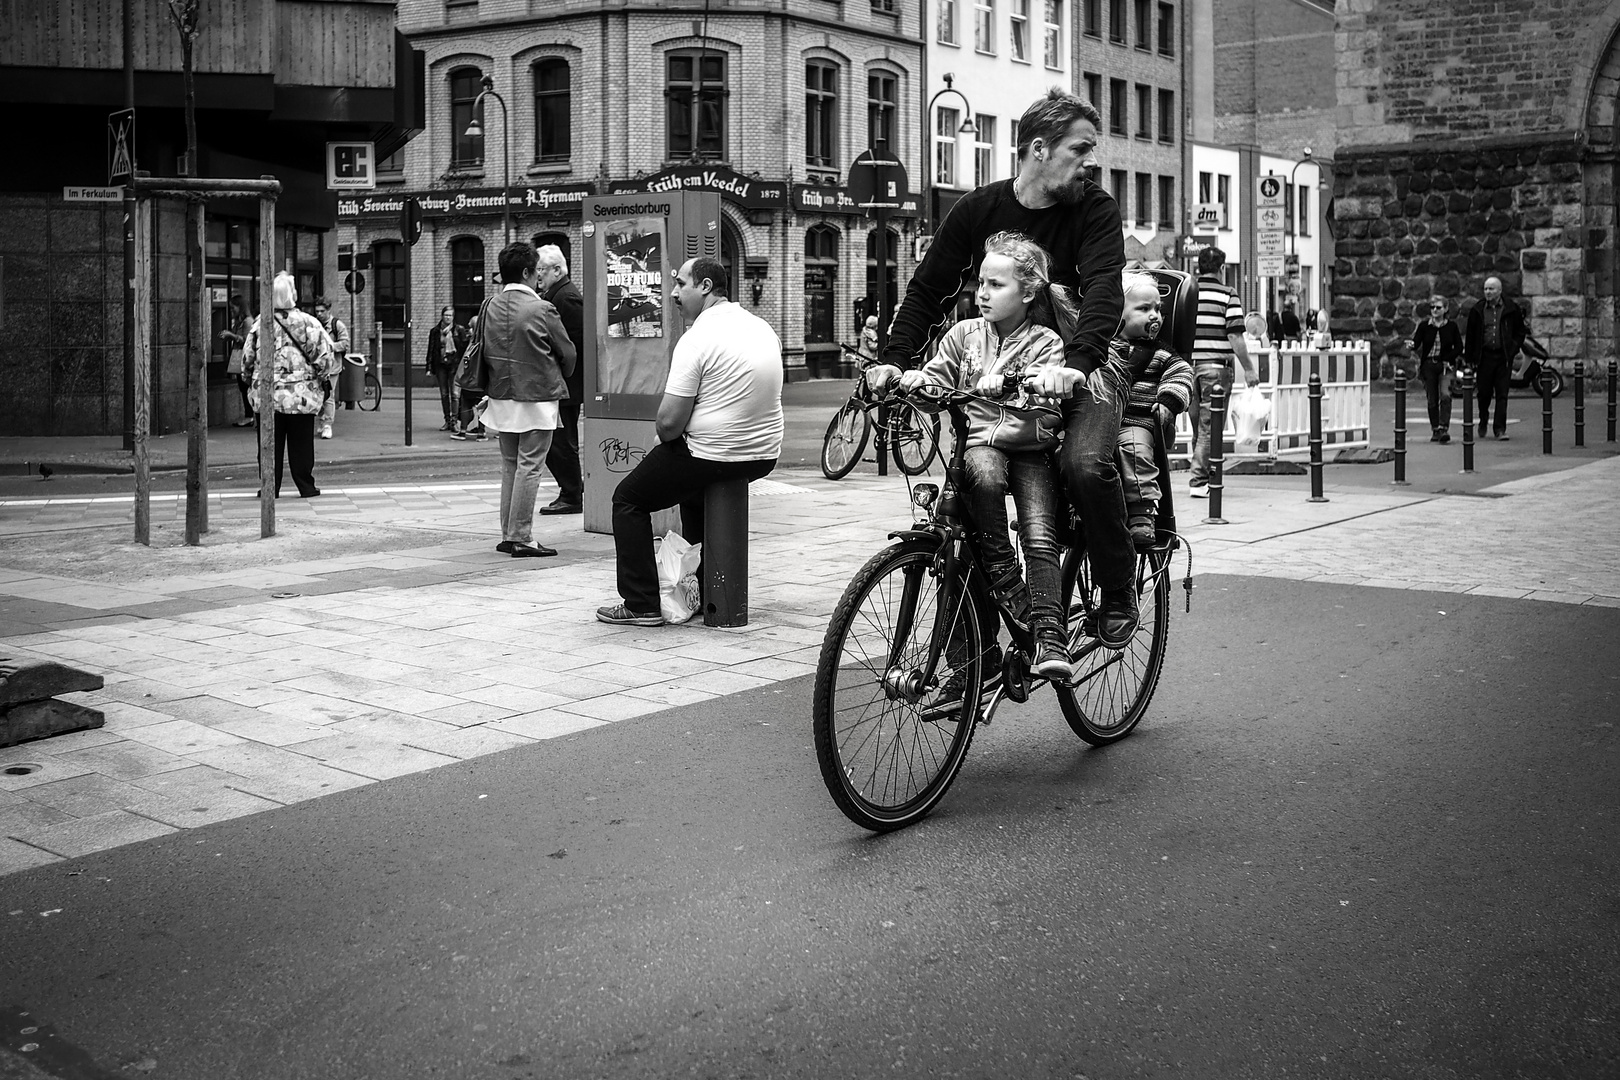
1111 688
914 435
889 746
845 440
371 395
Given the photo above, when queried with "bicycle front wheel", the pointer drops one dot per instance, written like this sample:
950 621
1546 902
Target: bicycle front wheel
914 435
371 395
889 745
1111 688
845 440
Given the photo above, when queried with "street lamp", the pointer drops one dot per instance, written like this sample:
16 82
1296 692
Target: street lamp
968 128
1293 226
475 130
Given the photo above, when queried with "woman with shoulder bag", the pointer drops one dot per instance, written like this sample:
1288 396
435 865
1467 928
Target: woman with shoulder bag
1437 343
234 334
303 360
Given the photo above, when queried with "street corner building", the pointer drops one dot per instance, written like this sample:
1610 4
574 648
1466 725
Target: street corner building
530 114
276 82
1476 142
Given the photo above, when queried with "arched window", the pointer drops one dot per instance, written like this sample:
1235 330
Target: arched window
891 257
467 284
553 111
465 86
820 284
695 96
388 272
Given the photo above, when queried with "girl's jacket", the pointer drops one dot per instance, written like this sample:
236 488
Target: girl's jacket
971 348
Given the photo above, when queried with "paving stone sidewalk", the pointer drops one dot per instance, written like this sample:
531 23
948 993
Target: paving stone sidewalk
231 691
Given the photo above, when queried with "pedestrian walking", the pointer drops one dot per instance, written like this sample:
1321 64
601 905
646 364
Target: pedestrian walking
234 334
338 333
1217 341
720 419
1496 332
525 359
446 342
1291 328
559 290
303 359
1437 343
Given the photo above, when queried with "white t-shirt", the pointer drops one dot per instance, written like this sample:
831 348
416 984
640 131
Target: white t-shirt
730 360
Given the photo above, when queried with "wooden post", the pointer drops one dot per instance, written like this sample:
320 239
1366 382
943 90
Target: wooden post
197 322
141 373
265 379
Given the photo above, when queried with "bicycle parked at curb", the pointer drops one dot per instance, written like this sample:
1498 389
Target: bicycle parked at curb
900 683
907 432
371 391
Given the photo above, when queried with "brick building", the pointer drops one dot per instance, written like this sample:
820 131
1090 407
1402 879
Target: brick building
766 106
1470 144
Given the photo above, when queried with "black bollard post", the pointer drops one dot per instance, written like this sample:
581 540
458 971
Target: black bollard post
1217 454
1614 370
1315 395
1580 403
1546 412
725 554
1468 419
1400 427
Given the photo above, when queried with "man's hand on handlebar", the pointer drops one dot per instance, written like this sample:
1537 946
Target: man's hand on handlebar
879 376
1055 382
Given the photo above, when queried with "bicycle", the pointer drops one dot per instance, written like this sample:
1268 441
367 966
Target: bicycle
912 435
889 736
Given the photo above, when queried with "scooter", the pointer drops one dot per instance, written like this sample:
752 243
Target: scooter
1536 369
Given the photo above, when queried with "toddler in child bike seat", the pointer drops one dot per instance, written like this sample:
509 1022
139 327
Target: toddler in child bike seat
1009 446
1162 390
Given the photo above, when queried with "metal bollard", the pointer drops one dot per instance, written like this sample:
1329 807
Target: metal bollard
1614 371
1217 454
1400 427
725 554
1468 420
1546 413
1315 394
1580 403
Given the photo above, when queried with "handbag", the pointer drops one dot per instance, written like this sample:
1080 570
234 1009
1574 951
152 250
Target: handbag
233 365
474 372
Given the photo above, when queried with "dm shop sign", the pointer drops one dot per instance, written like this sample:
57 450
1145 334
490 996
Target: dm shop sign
469 202
744 191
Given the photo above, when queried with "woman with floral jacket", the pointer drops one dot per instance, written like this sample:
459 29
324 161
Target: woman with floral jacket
303 359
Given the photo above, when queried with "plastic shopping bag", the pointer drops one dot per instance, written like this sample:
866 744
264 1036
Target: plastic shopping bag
1249 410
678 591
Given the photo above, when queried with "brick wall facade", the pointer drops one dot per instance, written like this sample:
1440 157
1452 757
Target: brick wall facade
1270 56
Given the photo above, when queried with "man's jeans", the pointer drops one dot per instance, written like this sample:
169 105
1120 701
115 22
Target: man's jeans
1494 371
1091 477
667 476
522 453
1206 378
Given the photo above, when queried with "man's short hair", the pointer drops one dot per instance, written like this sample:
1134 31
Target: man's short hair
515 259
1051 117
712 271
552 255
321 301
1210 260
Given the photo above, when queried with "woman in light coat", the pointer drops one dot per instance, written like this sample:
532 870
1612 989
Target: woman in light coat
303 359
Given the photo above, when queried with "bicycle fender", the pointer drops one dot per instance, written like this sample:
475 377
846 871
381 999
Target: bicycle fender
915 534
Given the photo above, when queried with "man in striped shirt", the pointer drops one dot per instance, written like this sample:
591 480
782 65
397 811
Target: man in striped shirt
1218 339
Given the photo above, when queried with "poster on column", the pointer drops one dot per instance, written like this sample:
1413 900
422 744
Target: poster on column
636 359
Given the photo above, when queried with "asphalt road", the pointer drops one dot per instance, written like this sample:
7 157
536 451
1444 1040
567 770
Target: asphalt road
1363 833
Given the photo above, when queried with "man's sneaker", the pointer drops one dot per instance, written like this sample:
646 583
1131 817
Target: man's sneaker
1198 491
1116 617
459 436
1052 657
621 615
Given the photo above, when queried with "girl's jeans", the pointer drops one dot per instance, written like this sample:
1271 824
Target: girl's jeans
988 477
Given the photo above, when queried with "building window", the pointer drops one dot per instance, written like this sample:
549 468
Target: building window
1012 143
1093 10
553 111
1167 30
1167 202
947 22
881 90
696 105
1117 181
1144 111
820 114
1054 34
392 167
1304 210
946 122
1223 195
885 7
820 284
1116 106
1206 183
388 271
1116 21
1093 87
1167 116
1144 25
1144 199
984 149
466 151
467 285
1018 29
984 25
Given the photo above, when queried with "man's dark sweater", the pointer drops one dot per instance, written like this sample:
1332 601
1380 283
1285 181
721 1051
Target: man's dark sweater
1088 256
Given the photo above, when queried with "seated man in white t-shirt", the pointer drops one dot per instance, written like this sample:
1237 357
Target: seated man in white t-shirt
720 419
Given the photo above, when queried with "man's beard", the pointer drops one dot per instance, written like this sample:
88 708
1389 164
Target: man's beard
1071 192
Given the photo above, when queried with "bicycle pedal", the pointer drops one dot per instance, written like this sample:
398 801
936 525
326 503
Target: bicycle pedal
1015 677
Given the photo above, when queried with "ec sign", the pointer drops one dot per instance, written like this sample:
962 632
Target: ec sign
351 166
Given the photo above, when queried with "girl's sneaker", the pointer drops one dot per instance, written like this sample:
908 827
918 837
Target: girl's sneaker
1052 656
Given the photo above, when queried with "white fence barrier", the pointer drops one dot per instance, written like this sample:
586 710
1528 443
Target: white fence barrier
1285 373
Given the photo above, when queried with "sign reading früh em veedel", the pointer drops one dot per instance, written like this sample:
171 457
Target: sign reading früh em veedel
463 202
830 199
748 192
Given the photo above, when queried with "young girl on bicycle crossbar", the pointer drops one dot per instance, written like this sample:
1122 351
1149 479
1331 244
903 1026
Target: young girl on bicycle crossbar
1009 445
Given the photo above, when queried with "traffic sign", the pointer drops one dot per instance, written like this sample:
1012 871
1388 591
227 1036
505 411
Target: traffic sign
1269 191
1270 218
120 145
877 182
410 220
354 282
1269 242
1269 266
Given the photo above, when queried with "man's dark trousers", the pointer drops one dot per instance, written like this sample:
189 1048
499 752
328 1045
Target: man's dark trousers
668 476
1493 373
1091 476
563 457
